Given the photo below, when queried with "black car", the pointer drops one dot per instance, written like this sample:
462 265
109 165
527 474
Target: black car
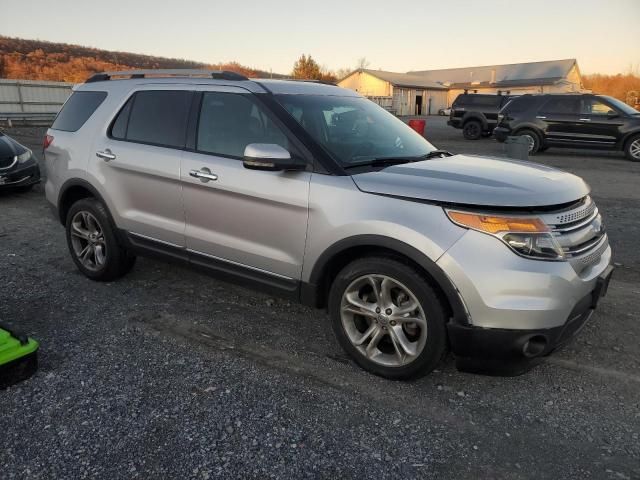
476 114
18 167
572 120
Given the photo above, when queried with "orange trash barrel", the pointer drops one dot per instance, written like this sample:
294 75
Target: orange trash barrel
418 125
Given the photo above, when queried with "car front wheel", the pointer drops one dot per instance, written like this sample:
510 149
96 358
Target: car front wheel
388 318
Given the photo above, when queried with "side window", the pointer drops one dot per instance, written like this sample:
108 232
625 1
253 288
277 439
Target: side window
157 117
229 122
119 126
77 110
561 105
591 106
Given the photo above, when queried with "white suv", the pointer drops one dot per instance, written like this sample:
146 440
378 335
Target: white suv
313 192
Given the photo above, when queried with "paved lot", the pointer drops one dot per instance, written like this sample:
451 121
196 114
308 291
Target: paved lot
169 373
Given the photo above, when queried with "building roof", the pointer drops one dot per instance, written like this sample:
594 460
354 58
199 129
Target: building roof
403 79
547 72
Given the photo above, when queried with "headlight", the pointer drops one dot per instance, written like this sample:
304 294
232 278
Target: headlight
527 236
23 157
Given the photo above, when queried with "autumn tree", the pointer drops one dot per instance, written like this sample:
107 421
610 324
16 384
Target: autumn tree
306 68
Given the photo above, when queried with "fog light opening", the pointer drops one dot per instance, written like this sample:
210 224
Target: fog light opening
535 346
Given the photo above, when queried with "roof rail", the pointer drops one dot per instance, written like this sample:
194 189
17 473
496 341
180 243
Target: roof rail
166 73
311 80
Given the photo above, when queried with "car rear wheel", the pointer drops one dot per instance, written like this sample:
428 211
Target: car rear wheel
632 148
93 244
532 139
472 130
388 318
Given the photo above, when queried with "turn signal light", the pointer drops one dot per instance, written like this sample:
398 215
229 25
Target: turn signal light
497 224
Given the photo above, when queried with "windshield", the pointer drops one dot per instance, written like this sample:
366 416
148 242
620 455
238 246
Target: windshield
354 130
621 105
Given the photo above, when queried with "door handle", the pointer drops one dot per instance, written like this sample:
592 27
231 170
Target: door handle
584 119
106 155
204 175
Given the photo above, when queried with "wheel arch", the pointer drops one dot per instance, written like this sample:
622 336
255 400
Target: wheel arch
74 190
475 117
628 136
334 258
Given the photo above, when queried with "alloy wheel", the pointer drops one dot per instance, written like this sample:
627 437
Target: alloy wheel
634 149
530 141
384 320
87 240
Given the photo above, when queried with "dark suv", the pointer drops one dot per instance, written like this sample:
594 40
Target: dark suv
476 114
572 120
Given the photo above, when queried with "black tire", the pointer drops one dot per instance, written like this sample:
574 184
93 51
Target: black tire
117 260
630 148
543 149
435 346
472 130
536 142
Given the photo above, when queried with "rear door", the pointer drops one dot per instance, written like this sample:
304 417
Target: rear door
560 115
247 222
138 162
600 123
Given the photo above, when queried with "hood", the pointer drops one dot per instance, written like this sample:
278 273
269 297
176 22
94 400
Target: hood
475 180
9 147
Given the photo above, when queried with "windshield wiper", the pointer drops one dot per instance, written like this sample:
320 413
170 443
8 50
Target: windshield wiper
389 161
438 154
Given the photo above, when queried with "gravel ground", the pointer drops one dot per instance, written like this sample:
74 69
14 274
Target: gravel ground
171 374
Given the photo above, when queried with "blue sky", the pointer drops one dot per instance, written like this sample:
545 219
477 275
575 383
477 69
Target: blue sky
604 35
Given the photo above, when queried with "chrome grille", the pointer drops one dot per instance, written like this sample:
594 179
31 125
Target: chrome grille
580 233
577 214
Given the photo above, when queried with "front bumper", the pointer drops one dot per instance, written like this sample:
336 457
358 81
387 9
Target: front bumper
501 133
518 309
20 176
454 122
511 352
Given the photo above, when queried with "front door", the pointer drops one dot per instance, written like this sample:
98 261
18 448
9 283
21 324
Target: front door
599 123
247 222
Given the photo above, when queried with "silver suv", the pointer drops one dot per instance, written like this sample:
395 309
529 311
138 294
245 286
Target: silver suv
312 192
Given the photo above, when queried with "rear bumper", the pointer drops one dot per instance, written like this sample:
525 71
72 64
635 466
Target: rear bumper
512 352
501 133
20 177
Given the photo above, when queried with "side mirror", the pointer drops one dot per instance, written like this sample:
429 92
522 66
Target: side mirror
270 157
612 114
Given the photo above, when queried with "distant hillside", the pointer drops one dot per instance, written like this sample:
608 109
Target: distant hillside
39 60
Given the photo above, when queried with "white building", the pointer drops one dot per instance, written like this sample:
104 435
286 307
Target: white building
400 93
424 92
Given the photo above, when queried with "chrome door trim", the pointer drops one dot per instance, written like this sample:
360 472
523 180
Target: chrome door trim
238 264
145 237
212 257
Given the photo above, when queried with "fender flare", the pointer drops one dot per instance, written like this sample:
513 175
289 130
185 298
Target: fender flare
437 275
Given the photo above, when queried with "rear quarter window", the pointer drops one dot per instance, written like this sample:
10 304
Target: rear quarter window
77 110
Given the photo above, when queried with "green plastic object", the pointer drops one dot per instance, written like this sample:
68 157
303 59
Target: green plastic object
18 357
